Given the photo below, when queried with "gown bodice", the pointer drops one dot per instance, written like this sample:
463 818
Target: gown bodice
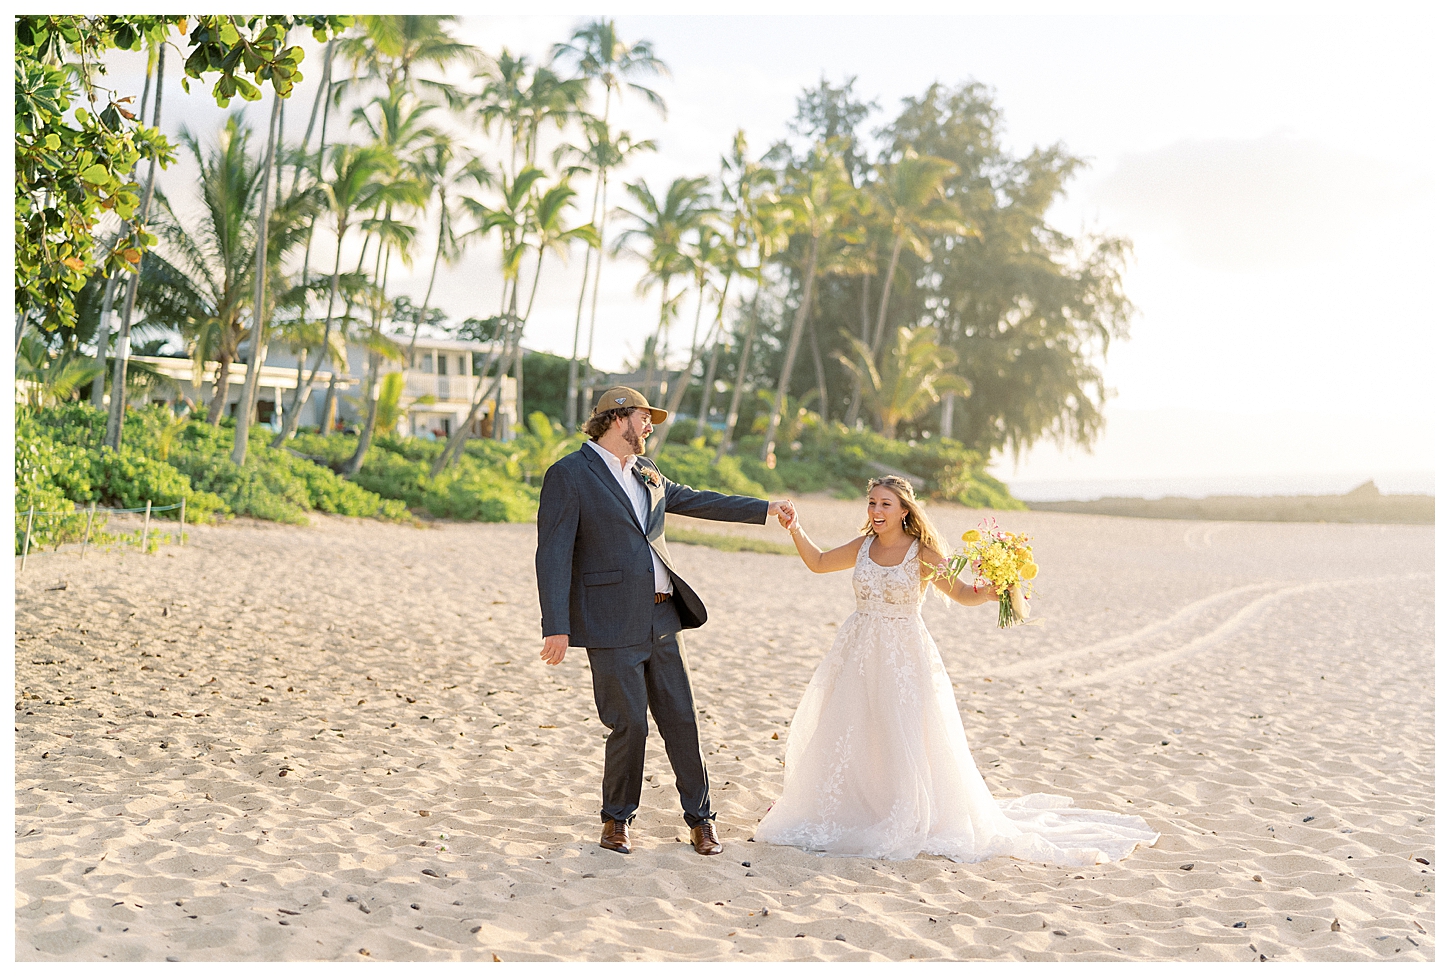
890 591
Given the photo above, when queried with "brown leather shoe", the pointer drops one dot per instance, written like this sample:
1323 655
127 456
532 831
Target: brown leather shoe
615 837
703 837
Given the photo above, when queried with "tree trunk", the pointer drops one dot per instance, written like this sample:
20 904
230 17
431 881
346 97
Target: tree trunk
767 450
493 391
571 396
820 373
329 407
948 412
571 391
375 362
682 381
886 296
732 417
114 426
304 392
365 436
599 268
854 410
716 330
103 340
258 352
221 388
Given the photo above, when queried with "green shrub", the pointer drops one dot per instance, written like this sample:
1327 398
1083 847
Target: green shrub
694 465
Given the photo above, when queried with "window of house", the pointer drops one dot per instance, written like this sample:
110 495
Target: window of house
425 362
442 365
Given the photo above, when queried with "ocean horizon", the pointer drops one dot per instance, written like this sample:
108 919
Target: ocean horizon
1202 486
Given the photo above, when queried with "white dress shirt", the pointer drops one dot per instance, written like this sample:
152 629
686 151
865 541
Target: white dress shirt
623 471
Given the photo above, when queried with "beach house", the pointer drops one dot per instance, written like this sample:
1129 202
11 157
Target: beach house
439 388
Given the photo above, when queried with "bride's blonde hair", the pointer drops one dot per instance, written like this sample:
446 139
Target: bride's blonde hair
915 522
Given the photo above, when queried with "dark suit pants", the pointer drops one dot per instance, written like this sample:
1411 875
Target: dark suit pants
652 675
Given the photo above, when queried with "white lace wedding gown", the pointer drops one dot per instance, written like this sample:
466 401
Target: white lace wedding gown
877 763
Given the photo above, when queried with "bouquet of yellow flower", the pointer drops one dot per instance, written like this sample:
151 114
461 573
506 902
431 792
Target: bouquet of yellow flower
1002 559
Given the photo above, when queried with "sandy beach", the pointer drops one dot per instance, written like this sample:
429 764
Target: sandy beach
337 742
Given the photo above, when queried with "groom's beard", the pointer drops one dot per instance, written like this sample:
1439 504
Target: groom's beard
635 438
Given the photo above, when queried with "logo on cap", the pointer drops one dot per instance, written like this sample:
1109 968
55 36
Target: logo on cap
619 400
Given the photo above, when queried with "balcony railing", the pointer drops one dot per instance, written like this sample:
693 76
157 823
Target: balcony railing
443 388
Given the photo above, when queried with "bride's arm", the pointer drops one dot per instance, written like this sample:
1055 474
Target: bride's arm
963 591
841 558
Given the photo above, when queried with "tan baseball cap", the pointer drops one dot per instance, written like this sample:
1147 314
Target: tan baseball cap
616 397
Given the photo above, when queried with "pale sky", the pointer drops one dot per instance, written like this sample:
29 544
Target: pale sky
1279 177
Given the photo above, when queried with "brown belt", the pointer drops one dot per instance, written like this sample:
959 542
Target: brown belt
661 598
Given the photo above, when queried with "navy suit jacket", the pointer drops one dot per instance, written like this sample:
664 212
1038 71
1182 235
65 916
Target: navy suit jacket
596 578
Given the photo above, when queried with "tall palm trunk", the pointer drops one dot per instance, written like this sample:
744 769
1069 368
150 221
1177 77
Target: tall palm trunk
571 395
886 295
599 265
304 390
258 351
303 393
732 416
103 328
221 386
653 359
508 335
716 331
820 371
432 277
329 403
854 410
114 426
767 450
103 339
682 381
375 361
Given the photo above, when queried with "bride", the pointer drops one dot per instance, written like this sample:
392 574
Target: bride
877 763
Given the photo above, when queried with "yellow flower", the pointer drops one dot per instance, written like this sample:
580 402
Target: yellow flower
1029 571
971 536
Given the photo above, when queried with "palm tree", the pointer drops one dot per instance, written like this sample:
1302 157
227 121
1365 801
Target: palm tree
201 283
707 257
914 373
910 204
399 127
821 196
441 167
662 225
51 377
261 314
387 48
115 429
353 187
602 152
512 220
599 54
503 101
759 222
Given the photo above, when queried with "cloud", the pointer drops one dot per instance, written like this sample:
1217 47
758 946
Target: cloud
1276 201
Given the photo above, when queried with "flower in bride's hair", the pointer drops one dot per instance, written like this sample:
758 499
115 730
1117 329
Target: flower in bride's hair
971 536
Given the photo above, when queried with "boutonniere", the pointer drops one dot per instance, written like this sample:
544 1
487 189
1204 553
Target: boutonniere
647 475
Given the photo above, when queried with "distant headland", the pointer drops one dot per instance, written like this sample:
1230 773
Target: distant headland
1362 504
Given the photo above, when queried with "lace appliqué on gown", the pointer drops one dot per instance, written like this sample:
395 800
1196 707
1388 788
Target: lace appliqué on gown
877 763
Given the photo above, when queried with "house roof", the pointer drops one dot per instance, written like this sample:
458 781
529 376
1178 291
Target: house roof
451 345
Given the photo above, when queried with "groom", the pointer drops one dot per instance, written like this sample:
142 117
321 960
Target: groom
607 584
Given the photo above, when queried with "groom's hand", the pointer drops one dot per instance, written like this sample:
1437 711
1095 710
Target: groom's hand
777 507
554 647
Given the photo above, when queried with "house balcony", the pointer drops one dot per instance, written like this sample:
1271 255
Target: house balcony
444 389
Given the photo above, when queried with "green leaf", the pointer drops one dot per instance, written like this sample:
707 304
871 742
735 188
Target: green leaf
96 173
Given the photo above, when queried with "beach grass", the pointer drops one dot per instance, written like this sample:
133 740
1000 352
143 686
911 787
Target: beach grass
730 544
